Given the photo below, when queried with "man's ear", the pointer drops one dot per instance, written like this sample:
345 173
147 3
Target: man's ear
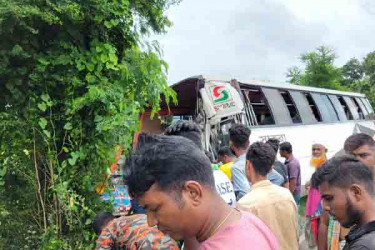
248 169
356 192
193 192
248 165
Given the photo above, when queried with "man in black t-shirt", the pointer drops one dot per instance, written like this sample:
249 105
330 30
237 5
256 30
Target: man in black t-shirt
347 189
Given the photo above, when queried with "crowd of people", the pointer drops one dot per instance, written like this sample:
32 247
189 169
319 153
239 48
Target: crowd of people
250 201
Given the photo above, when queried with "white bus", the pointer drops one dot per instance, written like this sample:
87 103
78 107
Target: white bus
298 114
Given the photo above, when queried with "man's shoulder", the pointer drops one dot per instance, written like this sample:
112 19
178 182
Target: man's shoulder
367 241
261 197
295 160
132 221
279 164
284 192
239 164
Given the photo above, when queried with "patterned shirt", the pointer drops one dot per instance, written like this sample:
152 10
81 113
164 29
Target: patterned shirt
132 233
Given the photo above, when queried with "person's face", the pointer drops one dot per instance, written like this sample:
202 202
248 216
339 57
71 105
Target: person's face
224 159
282 153
177 216
340 203
318 150
366 155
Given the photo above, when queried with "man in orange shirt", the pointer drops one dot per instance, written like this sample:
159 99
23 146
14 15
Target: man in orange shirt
130 232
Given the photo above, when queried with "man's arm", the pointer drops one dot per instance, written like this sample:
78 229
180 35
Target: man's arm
106 240
323 230
240 183
292 184
286 185
293 174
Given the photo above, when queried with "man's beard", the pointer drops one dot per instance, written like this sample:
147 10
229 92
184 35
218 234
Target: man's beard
318 161
353 215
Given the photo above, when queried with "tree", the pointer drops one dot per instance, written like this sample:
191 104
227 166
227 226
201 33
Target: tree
319 70
74 77
295 75
352 72
369 67
366 83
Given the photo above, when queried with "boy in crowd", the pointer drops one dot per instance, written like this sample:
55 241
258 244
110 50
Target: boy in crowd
272 204
227 158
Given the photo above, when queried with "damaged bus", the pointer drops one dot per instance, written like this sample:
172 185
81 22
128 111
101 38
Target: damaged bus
298 114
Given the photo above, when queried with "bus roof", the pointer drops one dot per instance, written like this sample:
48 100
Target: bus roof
269 84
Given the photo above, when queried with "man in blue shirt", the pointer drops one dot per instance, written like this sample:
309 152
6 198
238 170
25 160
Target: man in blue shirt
239 142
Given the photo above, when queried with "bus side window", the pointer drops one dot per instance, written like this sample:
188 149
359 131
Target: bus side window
260 107
360 108
344 105
303 107
338 107
323 108
313 107
278 106
352 107
332 112
291 106
367 106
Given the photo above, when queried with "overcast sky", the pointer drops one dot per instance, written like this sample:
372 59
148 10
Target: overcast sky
261 39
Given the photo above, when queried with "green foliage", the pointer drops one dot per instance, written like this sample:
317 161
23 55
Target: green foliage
364 82
369 67
319 70
352 72
73 81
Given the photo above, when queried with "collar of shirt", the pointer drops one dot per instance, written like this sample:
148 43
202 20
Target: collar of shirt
241 158
290 159
261 184
357 232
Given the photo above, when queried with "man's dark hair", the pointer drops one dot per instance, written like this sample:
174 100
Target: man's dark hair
343 171
274 143
226 151
187 129
286 147
168 161
262 156
353 142
101 220
239 134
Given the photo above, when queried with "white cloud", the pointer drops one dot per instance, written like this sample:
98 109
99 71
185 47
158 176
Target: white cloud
260 39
